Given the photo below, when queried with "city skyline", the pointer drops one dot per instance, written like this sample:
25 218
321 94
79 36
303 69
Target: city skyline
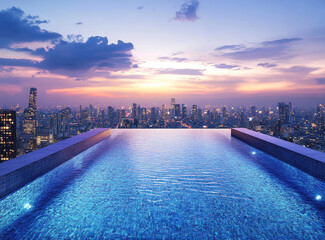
200 52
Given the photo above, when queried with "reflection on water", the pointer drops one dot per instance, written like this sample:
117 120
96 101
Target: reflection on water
196 184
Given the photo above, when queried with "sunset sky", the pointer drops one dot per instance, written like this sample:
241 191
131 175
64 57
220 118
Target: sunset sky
205 52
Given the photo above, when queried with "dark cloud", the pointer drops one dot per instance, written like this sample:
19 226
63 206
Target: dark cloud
82 56
229 47
17 62
75 58
298 69
79 23
18 28
181 71
140 7
176 59
281 41
226 66
267 65
188 11
320 81
265 50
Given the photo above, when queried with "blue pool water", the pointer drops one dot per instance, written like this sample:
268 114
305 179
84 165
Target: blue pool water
168 184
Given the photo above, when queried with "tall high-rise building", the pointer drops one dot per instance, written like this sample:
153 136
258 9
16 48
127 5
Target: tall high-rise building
153 115
177 110
320 118
172 108
30 122
30 118
184 111
284 112
91 110
194 112
163 110
8 137
143 114
110 114
172 102
134 110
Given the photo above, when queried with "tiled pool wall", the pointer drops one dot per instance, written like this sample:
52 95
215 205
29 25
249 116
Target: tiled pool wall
17 172
308 160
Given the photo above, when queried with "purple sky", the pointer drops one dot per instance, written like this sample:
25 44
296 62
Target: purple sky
200 52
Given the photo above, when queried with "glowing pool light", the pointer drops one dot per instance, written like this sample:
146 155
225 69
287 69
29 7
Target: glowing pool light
253 153
27 206
318 197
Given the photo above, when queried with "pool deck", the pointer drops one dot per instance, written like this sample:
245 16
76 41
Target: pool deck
306 159
19 171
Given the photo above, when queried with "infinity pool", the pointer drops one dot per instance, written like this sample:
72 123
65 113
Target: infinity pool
168 184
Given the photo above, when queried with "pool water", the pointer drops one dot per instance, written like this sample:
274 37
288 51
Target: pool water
168 184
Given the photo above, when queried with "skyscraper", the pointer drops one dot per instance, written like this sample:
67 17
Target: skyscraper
284 112
30 122
194 112
177 110
172 102
134 110
172 108
320 118
8 138
30 119
184 111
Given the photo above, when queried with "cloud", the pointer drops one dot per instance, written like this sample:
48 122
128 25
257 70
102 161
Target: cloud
226 66
18 28
181 71
175 59
188 11
177 53
79 23
320 81
298 69
6 69
229 47
281 41
267 65
140 7
17 62
265 50
75 58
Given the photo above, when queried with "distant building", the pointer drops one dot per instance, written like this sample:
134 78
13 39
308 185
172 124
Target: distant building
172 102
8 137
184 111
177 110
44 137
30 118
320 118
134 110
194 112
253 111
284 112
30 122
110 114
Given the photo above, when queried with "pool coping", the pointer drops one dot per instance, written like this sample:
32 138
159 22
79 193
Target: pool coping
19 171
306 159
